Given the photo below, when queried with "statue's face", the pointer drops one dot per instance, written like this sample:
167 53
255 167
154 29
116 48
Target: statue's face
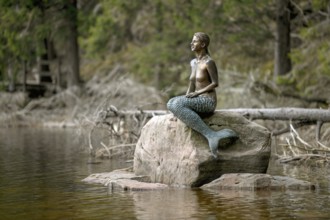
196 44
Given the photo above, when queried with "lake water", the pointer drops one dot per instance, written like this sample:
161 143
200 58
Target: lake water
41 172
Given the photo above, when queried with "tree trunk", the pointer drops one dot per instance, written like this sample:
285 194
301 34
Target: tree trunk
25 72
282 39
72 51
11 77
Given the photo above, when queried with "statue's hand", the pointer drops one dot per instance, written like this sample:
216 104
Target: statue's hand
192 94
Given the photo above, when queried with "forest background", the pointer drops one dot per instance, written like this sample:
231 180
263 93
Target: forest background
150 39
108 55
136 54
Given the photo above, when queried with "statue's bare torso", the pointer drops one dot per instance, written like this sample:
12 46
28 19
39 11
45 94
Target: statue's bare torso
200 76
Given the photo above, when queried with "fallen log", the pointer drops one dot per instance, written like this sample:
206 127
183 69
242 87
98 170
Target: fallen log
285 114
302 116
294 114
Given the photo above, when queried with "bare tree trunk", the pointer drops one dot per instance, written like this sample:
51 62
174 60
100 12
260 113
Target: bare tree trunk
11 78
329 10
24 75
72 52
282 39
158 76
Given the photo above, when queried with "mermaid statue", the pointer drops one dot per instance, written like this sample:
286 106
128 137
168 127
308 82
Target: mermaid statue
201 97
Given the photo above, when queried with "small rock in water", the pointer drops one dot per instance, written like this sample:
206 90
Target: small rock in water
124 180
251 182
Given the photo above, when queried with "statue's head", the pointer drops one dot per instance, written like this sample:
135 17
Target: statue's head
204 38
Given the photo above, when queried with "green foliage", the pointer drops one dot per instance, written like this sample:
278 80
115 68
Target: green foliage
286 80
312 59
151 37
22 31
107 29
19 34
27 27
154 34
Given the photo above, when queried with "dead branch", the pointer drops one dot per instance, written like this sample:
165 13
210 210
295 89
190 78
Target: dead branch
302 157
296 125
300 150
117 150
106 148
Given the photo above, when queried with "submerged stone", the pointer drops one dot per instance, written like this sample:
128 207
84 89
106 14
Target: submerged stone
134 185
251 182
123 180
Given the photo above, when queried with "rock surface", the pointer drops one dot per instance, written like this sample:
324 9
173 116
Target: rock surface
171 153
248 181
123 180
105 178
134 185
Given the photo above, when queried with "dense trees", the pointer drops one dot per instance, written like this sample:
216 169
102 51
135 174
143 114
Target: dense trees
153 41
150 38
34 32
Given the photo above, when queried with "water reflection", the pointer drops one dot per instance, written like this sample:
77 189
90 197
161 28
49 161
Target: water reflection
166 204
201 204
318 175
41 172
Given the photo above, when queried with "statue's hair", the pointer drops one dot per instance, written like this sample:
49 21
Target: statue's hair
204 38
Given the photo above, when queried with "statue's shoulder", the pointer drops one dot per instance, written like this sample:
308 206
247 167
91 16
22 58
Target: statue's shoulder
193 62
208 58
209 61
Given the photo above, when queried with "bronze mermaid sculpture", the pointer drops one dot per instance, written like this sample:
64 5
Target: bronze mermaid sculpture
201 96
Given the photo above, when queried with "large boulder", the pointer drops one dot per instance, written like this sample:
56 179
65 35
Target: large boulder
171 153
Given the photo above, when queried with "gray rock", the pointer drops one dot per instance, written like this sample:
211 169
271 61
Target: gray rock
119 180
134 185
107 177
171 153
249 181
288 183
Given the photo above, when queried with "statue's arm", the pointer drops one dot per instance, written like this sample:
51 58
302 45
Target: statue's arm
213 72
191 87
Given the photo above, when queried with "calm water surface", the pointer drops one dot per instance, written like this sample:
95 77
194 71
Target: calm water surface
41 172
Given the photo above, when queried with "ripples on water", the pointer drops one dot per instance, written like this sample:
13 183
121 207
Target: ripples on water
41 172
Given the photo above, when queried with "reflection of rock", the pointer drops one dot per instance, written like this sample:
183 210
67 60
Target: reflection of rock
123 180
171 153
167 204
248 181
